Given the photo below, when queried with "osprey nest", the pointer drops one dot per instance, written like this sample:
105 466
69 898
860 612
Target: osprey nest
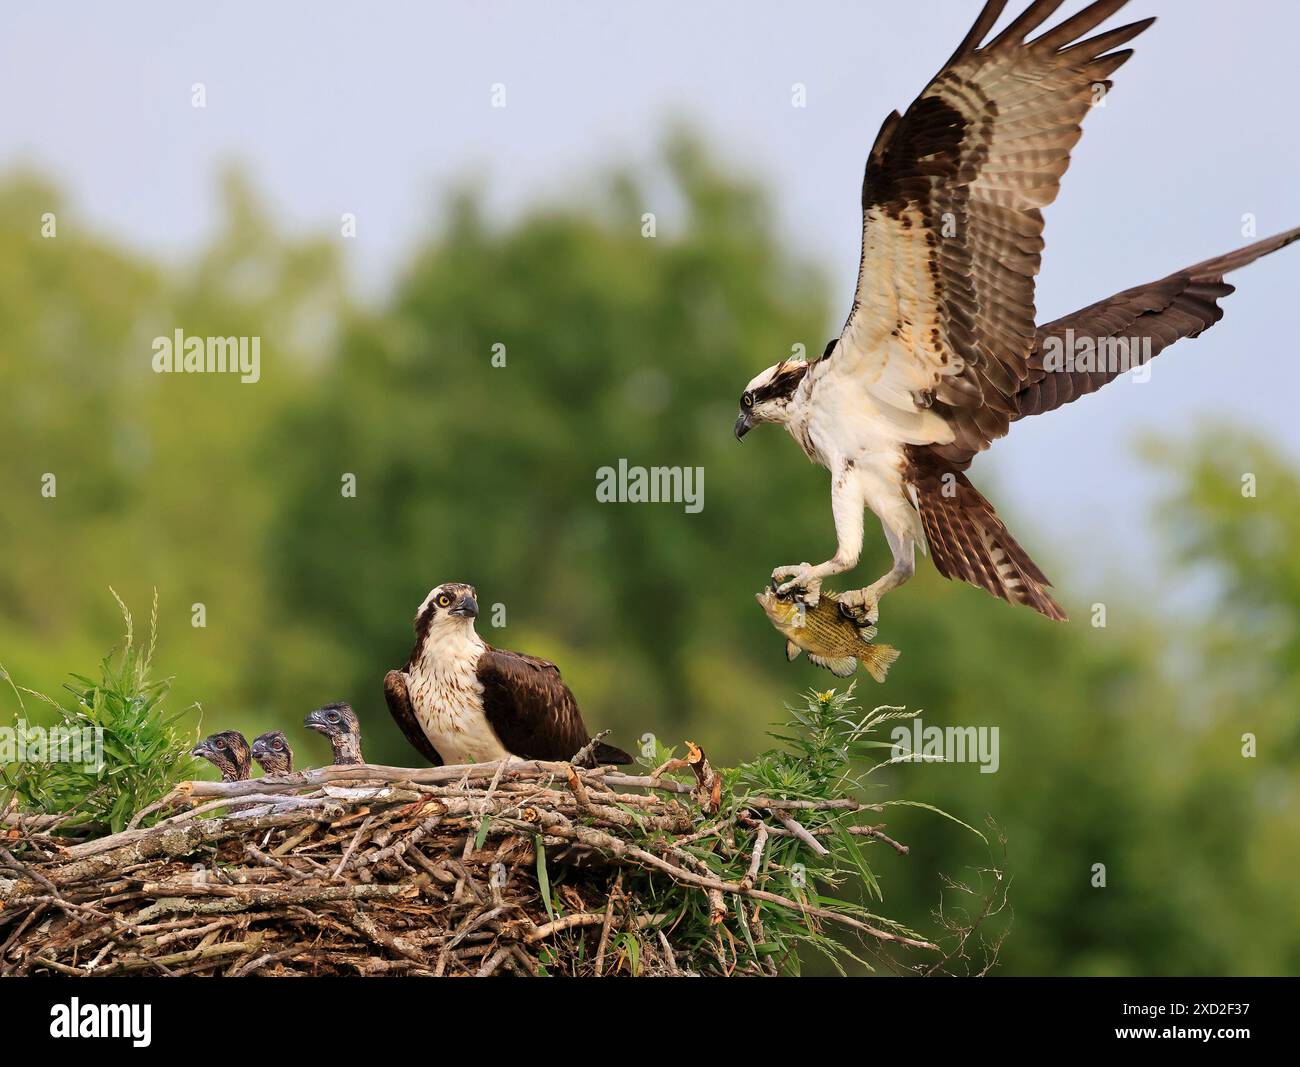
522 868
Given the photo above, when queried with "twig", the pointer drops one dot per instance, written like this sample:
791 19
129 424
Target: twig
586 755
801 832
581 919
756 857
347 855
873 831
579 790
614 894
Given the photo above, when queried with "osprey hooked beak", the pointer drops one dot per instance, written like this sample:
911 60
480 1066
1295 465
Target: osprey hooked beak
202 749
743 425
466 607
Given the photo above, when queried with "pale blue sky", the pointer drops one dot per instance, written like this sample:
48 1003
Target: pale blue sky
373 108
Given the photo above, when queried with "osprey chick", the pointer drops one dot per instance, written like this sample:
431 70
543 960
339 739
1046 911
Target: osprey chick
228 752
272 751
459 700
940 353
339 723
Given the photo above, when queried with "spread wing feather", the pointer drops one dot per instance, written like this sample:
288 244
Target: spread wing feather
966 538
1148 317
403 712
943 316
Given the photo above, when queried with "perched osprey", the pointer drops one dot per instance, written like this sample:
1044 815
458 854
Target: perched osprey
228 752
272 751
459 700
339 723
940 353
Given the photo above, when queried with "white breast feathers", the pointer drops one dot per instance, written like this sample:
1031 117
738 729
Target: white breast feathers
448 699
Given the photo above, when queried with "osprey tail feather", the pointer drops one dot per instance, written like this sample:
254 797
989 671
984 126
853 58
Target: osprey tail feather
967 540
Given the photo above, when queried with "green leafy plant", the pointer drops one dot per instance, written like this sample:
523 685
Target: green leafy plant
806 791
140 752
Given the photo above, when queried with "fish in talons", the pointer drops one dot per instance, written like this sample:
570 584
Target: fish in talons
829 636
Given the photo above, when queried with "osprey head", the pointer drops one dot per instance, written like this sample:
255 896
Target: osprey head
339 723
768 397
333 720
272 751
228 752
451 605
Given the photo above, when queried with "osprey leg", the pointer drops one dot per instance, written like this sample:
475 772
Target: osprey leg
847 504
863 605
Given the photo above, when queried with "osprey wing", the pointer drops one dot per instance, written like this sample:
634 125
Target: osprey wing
943 316
403 712
966 538
1154 315
531 709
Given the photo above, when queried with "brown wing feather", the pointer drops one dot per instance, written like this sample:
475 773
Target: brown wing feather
1154 315
952 227
403 712
531 709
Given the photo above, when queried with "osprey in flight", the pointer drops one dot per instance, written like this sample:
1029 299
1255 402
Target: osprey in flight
940 353
459 700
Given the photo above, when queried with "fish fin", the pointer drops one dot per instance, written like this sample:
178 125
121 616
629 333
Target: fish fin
792 651
867 633
841 666
878 659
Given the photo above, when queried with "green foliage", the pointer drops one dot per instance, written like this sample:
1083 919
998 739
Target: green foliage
821 743
543 877
142 751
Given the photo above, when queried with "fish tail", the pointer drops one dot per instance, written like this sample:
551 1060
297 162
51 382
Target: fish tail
878 659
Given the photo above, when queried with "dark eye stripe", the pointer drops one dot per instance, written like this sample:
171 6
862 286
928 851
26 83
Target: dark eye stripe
783 385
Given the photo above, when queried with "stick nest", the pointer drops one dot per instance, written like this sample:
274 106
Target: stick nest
521 868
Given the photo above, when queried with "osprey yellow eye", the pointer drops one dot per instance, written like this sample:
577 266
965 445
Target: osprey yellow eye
443 600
